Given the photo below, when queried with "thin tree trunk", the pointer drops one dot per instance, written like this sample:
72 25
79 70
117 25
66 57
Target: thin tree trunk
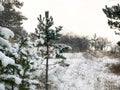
47 52
47 67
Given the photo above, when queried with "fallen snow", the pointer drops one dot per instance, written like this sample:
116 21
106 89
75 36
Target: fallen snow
1 7
39 41
15 78
2 87
6 60
5 43
83 74
7 33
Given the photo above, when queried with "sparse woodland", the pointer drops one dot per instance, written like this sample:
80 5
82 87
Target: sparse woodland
48 60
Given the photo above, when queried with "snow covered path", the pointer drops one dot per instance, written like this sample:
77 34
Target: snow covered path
85 74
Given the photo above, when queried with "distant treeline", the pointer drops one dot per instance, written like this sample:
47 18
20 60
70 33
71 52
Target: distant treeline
83 43
77 43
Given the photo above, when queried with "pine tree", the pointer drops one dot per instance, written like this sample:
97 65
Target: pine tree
8 67
46 36
27 59
113 15
12 18
17 62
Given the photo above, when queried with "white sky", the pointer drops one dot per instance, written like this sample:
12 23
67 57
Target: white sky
81 17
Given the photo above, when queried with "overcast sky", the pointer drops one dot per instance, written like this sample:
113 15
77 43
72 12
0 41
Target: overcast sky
81 17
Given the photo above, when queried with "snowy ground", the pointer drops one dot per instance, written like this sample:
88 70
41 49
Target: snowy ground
84 74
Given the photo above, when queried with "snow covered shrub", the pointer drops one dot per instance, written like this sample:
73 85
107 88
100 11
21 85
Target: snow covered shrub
45 42
8 67
99 43
12 17
18 62
28 60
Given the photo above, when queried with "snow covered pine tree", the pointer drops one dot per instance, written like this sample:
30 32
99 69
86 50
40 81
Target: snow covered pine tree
113 15
27 59
8 67
17 62
45 39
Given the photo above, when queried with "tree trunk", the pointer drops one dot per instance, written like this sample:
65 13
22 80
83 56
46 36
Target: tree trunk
47 67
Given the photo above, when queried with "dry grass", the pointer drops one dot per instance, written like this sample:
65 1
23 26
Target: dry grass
112 55
115 68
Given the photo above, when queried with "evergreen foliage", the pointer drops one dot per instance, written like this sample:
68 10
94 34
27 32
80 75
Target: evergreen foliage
8 67
17 63
27 61
99 43
12 18
113 15
45 38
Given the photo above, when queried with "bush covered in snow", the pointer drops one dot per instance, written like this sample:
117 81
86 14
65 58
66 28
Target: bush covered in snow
18 61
